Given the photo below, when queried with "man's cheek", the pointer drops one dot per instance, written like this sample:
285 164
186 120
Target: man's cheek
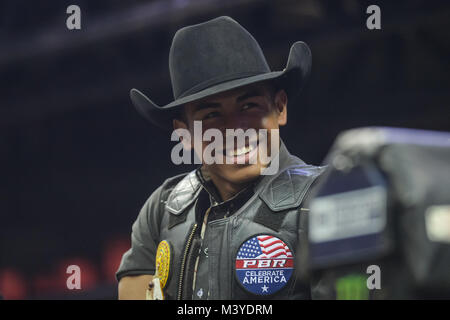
264 122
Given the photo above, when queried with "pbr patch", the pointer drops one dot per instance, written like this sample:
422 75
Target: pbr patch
163 259
264 264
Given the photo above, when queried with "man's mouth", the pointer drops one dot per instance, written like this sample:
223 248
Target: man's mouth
241 155
241 151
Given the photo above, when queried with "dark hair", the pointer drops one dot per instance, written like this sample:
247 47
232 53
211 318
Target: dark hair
274 88
180 114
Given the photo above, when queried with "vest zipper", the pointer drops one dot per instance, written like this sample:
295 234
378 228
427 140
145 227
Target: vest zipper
183 262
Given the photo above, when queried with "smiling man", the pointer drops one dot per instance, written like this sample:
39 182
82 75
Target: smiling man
257 110
230 228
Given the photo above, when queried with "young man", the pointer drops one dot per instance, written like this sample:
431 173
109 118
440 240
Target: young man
230 229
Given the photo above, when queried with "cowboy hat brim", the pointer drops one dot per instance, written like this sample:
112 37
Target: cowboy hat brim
292 79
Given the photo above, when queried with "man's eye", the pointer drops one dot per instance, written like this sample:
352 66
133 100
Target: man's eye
248 106
211 115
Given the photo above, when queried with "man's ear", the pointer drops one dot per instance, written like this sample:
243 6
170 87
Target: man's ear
181 128
281 101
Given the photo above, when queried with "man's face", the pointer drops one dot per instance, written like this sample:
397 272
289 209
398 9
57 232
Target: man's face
256 107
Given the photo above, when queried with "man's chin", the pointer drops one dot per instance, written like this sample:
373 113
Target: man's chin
240 173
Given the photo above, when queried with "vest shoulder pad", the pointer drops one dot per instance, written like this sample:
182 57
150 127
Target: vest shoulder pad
184 193
289 187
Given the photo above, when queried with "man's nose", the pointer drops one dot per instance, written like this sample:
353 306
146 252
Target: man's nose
236 121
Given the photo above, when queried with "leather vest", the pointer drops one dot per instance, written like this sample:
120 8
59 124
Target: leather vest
274 211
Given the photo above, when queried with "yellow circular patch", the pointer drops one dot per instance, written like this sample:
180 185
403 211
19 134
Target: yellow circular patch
163 262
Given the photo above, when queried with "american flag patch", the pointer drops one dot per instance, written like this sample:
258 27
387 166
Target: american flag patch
264 264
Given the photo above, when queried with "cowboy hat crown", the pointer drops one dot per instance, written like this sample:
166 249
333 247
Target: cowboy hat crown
216 56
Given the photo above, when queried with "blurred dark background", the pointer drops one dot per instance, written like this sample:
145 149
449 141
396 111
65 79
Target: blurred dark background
77 160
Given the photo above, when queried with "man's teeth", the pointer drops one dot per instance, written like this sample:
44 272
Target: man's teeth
240 151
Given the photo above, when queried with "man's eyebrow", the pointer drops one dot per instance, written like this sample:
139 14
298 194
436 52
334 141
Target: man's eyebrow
249 94
206 105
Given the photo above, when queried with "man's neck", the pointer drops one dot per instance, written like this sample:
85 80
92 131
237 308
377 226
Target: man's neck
225 188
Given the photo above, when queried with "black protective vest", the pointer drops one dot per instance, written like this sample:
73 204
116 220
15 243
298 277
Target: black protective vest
274 210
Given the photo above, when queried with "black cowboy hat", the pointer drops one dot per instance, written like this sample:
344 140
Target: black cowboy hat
216 56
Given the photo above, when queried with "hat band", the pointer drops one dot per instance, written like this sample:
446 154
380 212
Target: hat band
211 82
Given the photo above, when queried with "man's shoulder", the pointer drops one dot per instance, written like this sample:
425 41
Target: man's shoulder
169 184
287 189
298 171
175 192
